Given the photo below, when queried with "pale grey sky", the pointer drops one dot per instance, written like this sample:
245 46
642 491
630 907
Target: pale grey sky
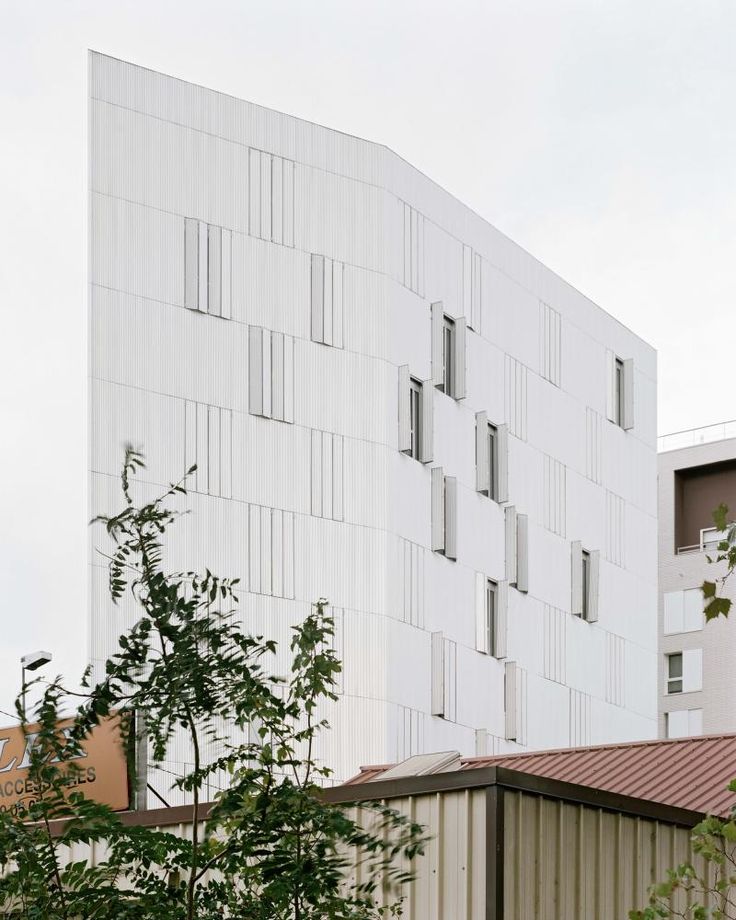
598 134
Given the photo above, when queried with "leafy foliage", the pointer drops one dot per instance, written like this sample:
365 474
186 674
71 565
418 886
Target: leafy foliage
270 848
716 604
708 894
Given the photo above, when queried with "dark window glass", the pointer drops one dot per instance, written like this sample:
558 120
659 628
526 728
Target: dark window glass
448 340
415 413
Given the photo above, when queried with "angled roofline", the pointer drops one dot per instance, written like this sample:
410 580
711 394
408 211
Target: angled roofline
365 140
515 781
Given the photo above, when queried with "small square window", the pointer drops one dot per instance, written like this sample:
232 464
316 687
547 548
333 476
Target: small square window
674 673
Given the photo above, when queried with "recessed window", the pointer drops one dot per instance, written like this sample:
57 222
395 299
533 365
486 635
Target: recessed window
618 397
674 673
448 350
492 462
415 417
586 584
490 617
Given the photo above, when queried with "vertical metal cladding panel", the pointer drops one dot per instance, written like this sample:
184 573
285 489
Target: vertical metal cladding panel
213 449
317 300
407 246
511 701
202 476
266 551
316 466
288 381
190 437
481 632
191 263
458 365
327 301
256 370
467 283
254 193
477 294
255 549
427 438
615 669
615 528
594 585
575 862
554 643
580 718
414 247
576 578
277 200
203 270
266 163
226 284
289 201
516 397
404 409
226 453
277 375
277 556
451 526
438 509
502 617
550 341
502 463
438 674
437 317
338 304
482 447
554 491
610 371
449 878
593 444
449 652
214 270
510 543
288 554
628 420
327 471
338 477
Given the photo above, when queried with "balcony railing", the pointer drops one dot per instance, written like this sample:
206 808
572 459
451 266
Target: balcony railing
709 540
694 436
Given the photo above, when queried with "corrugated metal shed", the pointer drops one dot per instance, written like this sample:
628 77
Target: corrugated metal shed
688 773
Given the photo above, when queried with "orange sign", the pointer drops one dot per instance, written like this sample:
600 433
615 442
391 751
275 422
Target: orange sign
102 769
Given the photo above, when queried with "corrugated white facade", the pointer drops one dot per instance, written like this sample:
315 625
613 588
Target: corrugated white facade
259 287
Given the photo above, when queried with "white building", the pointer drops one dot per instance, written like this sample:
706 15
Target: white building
697 677
391 406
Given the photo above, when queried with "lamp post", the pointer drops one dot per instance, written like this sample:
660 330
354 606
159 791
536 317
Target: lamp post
31 662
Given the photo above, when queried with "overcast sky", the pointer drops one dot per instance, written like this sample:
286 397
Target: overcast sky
598 134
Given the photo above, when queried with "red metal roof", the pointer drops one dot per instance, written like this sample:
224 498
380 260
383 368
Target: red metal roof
685 772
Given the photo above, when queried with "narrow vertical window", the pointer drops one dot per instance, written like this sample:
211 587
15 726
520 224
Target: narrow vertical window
415 418
492 463
586 584
674 673
448 348
618 397
490 618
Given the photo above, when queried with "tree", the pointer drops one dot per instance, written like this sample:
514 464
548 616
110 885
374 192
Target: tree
710 893
271 847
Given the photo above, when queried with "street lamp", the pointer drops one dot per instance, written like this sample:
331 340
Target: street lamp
31 662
